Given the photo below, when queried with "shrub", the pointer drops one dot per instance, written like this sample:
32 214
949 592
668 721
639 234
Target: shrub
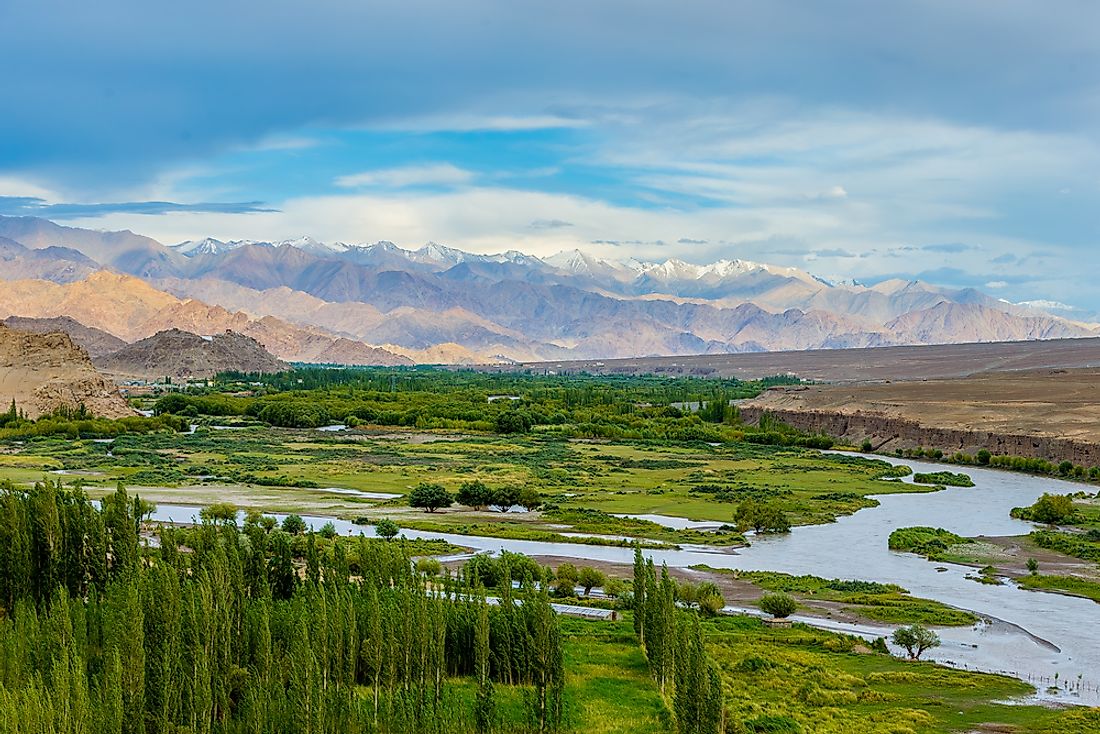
1053 509
779 606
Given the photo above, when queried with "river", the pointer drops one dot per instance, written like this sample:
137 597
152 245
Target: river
1032 635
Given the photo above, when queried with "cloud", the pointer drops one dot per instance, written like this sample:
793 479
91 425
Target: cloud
1004 259
36 207
949 247
549 224
996 284
689 241
836 252
435 174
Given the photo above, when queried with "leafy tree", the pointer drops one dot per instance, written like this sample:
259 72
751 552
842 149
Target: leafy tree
513 421
1032 566
327 531
503 498
1053 509
709 598
474 494
386 528
219 512
867 447
779 605
915 639
589 577
529 499
293 524
430 497
984 456
567 579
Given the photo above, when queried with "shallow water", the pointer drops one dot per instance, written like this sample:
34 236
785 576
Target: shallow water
1031 635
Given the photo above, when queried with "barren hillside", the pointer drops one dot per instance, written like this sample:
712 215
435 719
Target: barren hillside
44 372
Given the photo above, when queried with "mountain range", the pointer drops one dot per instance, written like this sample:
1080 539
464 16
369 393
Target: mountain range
310 301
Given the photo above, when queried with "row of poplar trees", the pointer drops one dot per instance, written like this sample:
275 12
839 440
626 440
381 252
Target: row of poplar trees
215 630
673 645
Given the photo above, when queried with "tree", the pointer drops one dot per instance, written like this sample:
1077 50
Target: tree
709 598
984 457
779 606
915 639
512 421
867 447
529 499
588 577
567 579
1032 566
1053 509
219 512
294 524
430 497
474 494
503 498
327 531
386 528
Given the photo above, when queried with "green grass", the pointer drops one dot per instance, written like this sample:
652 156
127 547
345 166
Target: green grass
822 683
1072 585
887 603
273 469
608 689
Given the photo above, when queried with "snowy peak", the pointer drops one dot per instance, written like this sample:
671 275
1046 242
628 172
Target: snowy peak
209 246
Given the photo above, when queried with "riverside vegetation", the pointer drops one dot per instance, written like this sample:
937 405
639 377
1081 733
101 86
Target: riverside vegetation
233 626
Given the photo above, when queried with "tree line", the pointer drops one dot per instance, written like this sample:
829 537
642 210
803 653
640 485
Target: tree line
221 628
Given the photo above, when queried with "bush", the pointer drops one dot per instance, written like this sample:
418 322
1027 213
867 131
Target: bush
327 531
779 606
1052 509
429 566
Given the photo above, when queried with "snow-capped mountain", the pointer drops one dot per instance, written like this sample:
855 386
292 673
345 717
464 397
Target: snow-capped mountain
209 246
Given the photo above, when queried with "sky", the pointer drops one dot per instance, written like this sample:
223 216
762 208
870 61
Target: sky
956 141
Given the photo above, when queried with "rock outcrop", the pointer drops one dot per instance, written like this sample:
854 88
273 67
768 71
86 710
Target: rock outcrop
45 372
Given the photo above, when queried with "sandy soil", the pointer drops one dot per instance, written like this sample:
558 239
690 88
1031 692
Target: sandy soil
849 365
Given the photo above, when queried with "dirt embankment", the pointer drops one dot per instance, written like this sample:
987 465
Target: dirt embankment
1047 414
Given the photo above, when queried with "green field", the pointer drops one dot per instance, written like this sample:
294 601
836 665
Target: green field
288 470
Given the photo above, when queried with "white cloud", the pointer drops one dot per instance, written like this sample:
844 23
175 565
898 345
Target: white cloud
996 284
396 178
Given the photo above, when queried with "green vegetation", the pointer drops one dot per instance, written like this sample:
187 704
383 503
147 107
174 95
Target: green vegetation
1072 585
815 682
915 639
1026 464
887 603
1052 509
945 478
924 541
1085 546
779 605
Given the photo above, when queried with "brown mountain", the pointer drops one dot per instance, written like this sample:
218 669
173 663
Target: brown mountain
131 309
44 372
181 355
95 342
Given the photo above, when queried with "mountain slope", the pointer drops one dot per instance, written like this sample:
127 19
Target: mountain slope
44 372
95 342
131 309
181 355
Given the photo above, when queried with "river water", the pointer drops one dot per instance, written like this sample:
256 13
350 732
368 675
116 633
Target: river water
1032 635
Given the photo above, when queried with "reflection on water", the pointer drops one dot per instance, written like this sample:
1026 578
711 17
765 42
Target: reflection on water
1029 634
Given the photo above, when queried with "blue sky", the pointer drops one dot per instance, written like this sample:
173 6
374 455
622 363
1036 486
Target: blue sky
956 141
